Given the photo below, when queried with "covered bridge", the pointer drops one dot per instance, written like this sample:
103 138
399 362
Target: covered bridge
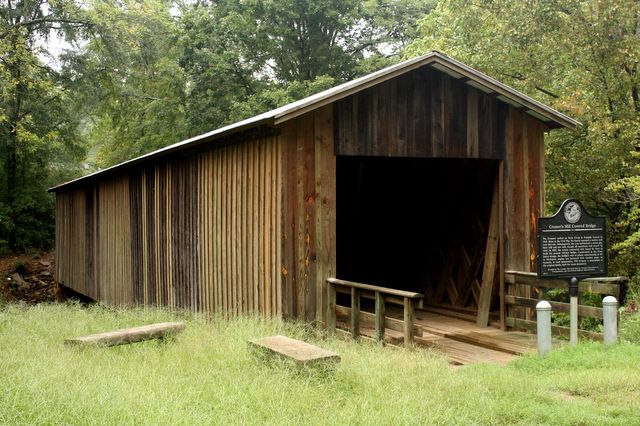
426 176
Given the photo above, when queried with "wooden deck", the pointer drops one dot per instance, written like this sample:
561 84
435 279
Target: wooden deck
460 339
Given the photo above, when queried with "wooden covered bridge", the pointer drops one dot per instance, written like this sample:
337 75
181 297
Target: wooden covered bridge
424 177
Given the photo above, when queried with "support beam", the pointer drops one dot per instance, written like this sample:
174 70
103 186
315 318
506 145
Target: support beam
331 307
355 313
490 256
379 318
409 317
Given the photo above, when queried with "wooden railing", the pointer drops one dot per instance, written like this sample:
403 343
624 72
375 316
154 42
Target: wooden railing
607 286
407 299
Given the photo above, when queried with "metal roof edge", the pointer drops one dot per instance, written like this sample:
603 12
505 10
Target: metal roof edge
350 87
255 121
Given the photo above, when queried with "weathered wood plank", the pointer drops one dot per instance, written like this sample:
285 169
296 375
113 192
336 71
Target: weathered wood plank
379 317
331 307
501 257
367 332
535 138
475 338
128 335
344 313
583 311
325 189
556 330
472 124
355 313
373 288
604 286
302 353
409 318
490 258
463 353
423 113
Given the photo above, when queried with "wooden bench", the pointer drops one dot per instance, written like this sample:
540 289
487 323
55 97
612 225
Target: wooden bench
302 353
128 335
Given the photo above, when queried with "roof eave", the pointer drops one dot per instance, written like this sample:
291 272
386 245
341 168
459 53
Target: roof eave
555 118
253 122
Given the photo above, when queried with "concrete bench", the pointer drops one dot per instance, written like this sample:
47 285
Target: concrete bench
128 335
302 353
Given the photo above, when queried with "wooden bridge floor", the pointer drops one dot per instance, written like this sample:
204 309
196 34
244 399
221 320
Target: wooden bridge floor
465 343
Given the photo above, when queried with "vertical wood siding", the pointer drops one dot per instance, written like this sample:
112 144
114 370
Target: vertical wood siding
201 232
424 114
524 197
251 226
309 221
113 242
524 188
72 257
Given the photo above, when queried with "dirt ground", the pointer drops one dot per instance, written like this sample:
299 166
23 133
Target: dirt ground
29 278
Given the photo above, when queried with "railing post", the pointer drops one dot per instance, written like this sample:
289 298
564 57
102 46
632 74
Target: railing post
331 307
408 322
610 320
379 318
355 313
543 318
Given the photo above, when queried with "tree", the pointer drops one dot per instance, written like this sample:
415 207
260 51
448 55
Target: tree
127 80
242 58
38 133
581 57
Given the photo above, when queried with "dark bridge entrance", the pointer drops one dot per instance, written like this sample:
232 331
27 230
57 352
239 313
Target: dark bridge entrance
416 224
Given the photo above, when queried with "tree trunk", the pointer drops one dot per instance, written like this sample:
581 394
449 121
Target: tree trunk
12 150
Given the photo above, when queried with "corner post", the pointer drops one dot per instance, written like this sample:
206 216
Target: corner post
355 313
331 307
379 318
408 322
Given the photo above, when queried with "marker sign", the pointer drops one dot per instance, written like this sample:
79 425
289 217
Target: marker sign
572 243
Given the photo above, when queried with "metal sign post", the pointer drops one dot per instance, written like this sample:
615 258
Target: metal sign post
572 245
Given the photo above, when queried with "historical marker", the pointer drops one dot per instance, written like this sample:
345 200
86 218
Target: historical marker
572 243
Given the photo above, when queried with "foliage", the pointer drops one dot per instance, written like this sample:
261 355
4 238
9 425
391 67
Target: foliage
582 58
630 327
242 58
20 268
87 84
128 83
39 143
208 375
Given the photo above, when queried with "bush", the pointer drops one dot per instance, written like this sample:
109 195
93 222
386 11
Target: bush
20 268
630 327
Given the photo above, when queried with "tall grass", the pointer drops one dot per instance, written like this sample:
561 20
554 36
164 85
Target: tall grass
207 375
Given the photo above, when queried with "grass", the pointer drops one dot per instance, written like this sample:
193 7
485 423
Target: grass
207 375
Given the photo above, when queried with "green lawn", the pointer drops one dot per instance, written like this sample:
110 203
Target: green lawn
207 375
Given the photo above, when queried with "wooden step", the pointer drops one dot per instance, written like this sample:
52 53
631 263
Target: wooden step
128 335
302 353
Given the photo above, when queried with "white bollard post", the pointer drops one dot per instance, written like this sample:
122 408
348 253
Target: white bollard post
610 320
573 311
543 318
